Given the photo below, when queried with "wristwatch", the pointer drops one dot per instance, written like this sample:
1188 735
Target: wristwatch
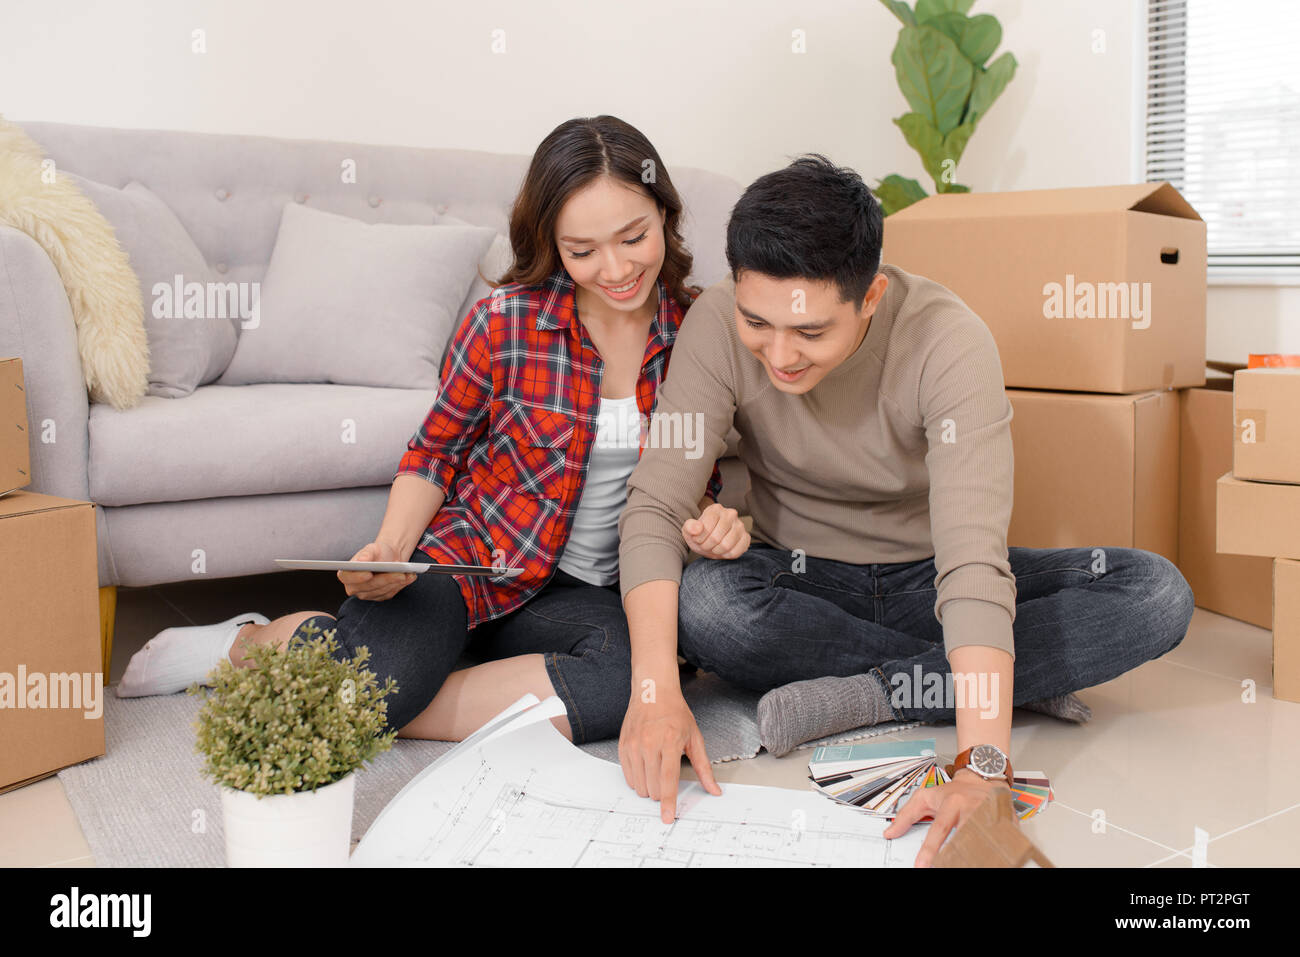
986 760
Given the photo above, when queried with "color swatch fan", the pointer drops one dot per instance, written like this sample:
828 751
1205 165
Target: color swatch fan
881 776
877 776
1030 793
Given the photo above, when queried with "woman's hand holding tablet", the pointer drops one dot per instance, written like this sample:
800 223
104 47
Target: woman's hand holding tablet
374 574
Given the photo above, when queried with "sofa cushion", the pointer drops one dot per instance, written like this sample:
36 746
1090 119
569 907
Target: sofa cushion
357 303
185 351
251 440
499 257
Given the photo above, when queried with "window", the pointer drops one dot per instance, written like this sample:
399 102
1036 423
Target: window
1223 125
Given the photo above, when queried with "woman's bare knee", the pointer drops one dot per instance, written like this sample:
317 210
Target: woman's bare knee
276 632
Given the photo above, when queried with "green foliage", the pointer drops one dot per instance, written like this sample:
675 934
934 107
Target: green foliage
296 720
933 75
900 9
929 9
939 62
895 192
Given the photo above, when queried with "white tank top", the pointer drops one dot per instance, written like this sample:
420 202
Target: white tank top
591 553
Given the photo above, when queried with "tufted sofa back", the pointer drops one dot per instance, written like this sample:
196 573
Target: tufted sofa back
229 190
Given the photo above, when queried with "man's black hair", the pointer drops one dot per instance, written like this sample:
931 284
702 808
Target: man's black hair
812 220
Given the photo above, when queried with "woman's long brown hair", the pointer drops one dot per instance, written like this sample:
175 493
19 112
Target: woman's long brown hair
573 155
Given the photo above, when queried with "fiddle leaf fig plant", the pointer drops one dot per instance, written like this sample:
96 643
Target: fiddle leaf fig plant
941 62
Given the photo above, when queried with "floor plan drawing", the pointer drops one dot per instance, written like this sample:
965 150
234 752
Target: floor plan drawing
527 797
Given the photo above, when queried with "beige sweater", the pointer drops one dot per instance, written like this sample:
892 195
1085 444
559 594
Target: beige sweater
900 453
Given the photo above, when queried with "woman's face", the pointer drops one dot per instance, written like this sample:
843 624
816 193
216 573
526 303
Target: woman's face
610 237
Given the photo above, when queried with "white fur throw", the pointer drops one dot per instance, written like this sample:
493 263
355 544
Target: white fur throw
101 285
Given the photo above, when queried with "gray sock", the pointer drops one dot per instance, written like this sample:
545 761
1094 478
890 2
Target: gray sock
806 710
1066 707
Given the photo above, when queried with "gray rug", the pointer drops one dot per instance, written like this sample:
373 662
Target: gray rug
145 804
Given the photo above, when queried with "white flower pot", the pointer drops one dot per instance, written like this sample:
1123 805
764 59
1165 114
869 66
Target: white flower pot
303 829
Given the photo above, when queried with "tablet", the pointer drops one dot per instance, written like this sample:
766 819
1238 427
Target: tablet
419 568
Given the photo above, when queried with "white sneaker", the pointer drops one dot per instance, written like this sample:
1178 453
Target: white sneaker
175 658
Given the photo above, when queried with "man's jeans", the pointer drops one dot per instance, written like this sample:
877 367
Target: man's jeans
1083 616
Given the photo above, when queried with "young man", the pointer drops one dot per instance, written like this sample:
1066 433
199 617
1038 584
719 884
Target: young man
879 585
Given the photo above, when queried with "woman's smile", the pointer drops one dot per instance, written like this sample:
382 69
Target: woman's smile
626 291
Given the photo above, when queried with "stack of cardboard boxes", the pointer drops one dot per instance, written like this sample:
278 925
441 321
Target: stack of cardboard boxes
1234 585
51 666
1259 502
1096 300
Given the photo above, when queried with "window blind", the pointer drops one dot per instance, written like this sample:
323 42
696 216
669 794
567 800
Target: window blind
1223 123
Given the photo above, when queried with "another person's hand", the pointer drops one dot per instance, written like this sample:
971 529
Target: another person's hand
655 734
376 586
717 533
949 804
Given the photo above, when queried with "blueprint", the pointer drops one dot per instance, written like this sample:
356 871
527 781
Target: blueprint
519 794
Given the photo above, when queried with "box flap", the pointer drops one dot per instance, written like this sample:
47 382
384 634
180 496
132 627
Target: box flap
1162 199
23 502
1159 198
1280 372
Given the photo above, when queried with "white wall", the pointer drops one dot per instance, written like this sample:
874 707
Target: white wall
1245 319
713 83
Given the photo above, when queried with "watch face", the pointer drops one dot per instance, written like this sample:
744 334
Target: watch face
988 761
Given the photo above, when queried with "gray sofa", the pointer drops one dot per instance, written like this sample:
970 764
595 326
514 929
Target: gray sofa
250 473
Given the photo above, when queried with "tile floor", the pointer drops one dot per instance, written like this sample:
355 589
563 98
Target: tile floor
1133 785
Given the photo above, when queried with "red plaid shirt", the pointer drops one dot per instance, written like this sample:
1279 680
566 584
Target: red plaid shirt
509 436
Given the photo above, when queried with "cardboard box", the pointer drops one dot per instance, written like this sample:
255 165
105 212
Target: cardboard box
1238 586
1286 629
1258 518
15 465
1266 425
51 678
1095 470
1043 267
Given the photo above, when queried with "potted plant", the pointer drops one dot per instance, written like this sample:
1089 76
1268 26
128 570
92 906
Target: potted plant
283 739
941 61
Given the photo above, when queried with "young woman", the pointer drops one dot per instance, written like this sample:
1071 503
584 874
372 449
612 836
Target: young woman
523 460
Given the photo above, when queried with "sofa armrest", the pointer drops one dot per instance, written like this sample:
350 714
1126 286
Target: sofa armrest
36 325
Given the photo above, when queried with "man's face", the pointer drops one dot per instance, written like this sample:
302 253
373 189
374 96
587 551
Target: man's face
798 328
